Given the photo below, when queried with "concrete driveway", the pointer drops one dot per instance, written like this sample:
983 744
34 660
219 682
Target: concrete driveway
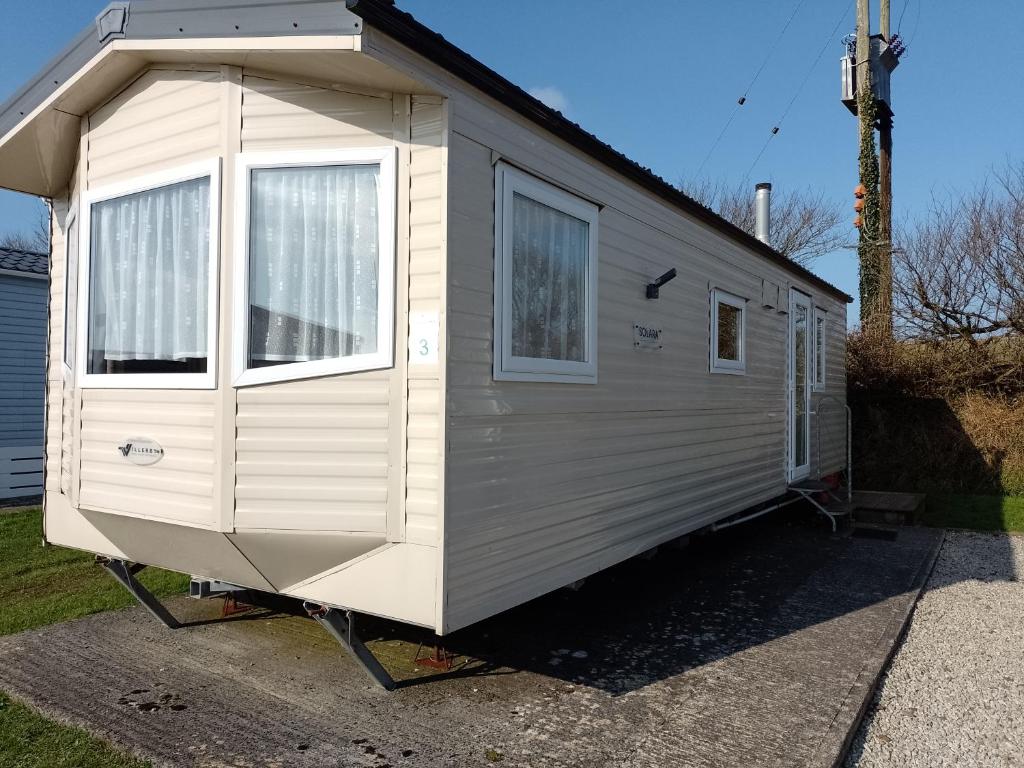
757 646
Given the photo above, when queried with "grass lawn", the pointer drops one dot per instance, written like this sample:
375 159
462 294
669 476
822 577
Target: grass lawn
28 740
43 585
979 513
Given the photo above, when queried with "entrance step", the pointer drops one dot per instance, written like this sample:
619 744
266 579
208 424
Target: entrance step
841 508
813 486
888 507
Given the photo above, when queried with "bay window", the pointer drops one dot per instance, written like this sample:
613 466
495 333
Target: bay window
314 292
148 281
545 316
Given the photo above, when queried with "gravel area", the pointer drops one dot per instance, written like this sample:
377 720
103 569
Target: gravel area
954 695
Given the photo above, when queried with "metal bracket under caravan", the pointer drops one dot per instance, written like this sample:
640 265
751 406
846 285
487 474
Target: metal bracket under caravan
125 572
341 626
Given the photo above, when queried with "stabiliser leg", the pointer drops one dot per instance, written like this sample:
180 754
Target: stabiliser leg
340 625
125 573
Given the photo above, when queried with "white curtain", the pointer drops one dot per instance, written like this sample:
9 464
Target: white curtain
149 265
313 263
549 282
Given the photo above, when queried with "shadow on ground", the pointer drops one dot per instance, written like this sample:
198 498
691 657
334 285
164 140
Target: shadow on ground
647 620
748 647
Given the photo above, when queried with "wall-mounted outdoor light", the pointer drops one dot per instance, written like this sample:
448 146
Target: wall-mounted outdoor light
653 288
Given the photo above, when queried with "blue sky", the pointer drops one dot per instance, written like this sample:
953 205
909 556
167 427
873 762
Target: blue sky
658 80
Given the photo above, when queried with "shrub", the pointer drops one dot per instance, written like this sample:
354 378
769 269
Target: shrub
938 416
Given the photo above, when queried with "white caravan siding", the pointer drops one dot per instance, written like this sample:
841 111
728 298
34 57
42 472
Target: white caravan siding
548 483
317 454
327 454
60 396
163 120
425 436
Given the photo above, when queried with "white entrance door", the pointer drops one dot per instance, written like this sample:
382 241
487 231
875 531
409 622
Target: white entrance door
799 429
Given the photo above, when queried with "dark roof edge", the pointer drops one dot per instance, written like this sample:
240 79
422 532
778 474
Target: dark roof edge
401 26
21 261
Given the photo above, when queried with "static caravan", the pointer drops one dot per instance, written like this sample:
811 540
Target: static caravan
339 313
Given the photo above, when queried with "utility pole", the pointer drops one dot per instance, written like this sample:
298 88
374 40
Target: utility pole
884 251
867 250
867 76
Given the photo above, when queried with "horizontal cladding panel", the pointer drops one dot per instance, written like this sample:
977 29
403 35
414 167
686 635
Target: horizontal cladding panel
163 119
549 482
60 406
425 399
314 455
476 120
177 488
280 115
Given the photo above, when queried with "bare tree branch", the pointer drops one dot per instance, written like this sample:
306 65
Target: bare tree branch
960 270
37 240
805 224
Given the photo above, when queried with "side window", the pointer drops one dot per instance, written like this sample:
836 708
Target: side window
820 341
545 282
71 289
316 291
150 276
728 333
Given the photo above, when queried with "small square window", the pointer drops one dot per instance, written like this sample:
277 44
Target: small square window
728 332
545 282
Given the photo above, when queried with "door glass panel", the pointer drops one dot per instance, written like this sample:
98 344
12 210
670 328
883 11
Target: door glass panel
799 385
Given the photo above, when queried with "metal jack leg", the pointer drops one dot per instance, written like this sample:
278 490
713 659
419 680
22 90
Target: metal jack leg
340 625
125 574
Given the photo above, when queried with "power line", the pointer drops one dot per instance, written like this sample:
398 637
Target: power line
899 24
771 51
714 145
796 94
917 21
742 99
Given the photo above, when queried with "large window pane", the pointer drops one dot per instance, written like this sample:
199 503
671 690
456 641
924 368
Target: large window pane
313 263
148 283
549 278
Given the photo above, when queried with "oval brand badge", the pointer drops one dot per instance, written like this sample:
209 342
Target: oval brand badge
141 450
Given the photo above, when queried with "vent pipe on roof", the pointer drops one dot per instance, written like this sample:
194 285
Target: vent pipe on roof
763 212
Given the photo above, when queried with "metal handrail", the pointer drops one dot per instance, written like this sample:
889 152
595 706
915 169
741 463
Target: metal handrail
849 439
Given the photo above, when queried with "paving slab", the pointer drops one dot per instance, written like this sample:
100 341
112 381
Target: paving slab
757 646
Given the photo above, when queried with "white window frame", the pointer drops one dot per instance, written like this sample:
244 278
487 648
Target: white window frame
509 181
70 345
384 356
206 380
822 316
720 365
